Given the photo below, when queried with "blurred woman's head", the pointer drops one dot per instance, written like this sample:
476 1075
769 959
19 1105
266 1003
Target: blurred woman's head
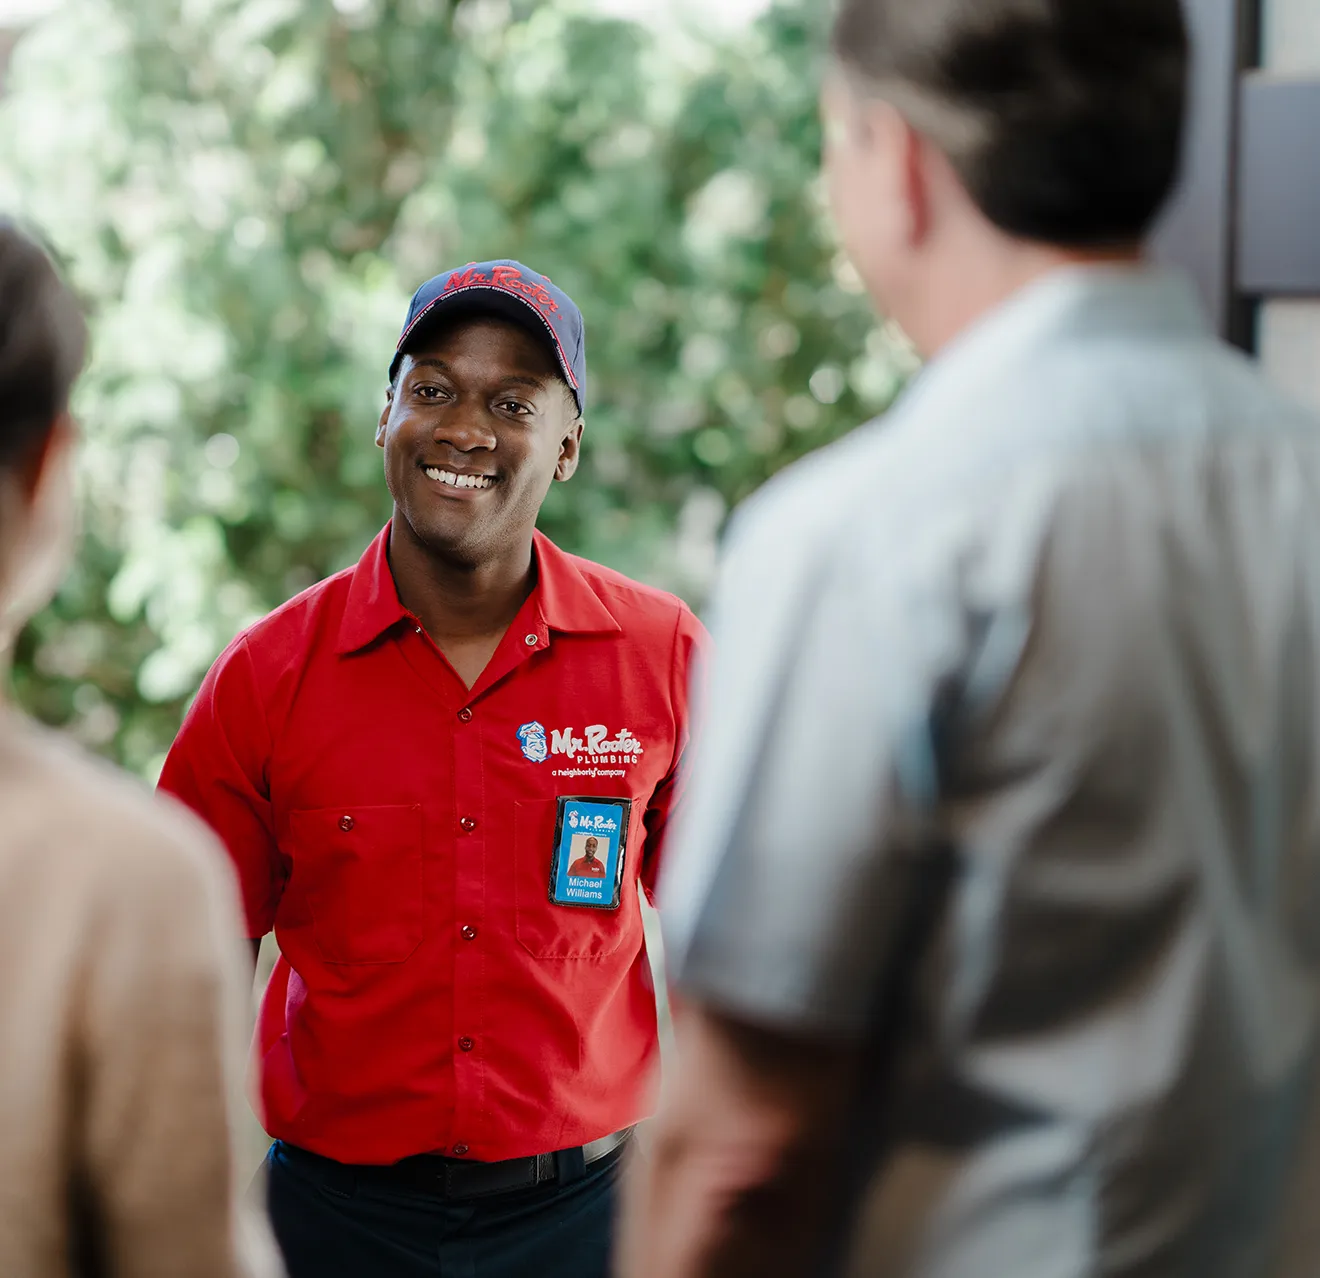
43 340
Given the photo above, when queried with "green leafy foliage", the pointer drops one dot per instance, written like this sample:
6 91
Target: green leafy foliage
247 191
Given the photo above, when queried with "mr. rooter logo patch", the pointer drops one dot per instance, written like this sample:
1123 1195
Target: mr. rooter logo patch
592 747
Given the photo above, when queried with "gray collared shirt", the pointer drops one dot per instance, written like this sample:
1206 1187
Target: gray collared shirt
1060 612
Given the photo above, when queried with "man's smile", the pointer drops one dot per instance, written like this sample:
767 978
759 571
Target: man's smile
456 479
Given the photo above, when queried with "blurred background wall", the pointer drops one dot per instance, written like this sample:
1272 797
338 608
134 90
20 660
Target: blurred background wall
247 191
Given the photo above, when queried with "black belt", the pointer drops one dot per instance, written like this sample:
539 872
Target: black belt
461 1178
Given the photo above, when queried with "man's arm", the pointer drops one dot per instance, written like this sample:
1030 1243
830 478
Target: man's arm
218 767
744 1155
789 880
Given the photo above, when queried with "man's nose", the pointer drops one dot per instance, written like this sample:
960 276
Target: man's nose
466 427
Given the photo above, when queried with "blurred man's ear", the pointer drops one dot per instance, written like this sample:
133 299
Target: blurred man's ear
897 157
919 158
38 541
47 451
385 416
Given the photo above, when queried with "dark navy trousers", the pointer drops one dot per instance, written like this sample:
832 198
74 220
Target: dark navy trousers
329 1225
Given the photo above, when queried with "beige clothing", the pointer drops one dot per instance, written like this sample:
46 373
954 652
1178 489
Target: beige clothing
121 1013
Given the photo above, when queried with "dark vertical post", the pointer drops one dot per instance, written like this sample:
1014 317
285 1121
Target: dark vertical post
1197 232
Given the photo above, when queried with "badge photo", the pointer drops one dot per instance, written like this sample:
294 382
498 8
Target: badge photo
591 835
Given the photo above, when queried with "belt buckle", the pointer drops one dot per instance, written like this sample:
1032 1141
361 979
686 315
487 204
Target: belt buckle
545 1169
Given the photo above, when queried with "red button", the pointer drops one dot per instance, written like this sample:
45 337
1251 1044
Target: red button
345 823
460 1150
468 824
465 715
465 1044
469 933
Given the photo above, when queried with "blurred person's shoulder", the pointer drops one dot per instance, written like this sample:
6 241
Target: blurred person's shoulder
801 512
89 830
977 434
1190 387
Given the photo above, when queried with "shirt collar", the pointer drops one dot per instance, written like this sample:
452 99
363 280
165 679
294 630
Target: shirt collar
1129 303
373 604
563 596
566 599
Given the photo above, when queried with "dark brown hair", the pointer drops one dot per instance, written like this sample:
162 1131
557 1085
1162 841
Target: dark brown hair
43 340
1063 118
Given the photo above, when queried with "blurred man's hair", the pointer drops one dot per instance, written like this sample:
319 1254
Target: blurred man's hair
1063 118
43 339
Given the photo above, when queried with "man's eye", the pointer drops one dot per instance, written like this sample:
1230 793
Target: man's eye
513 406
429 392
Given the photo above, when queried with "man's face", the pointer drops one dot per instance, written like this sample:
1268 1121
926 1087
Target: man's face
476 428
589 847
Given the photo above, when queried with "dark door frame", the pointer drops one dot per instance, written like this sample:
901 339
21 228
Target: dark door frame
1246 219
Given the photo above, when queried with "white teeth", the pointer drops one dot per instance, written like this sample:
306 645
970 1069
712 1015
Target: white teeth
458 481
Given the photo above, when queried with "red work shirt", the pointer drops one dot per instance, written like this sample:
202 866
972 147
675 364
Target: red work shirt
584 869
397 831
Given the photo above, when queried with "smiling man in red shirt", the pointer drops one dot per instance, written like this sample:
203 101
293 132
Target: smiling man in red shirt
587 866
451 1051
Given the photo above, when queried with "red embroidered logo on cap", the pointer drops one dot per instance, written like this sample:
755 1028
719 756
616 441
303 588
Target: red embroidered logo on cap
507 278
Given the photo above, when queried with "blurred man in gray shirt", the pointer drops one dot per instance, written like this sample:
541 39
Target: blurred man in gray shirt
1053 623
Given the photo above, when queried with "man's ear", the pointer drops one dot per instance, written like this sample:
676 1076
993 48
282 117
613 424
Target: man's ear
920 160
900 157
570 449
31 469
384 416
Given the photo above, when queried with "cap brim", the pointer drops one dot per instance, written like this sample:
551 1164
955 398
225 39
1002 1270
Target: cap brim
474 302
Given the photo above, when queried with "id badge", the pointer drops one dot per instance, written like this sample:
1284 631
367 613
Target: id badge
590 837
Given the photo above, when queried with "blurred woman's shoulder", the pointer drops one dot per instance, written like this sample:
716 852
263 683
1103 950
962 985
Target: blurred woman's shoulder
80 822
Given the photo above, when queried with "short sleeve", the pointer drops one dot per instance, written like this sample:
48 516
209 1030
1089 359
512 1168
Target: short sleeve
218 766
814 772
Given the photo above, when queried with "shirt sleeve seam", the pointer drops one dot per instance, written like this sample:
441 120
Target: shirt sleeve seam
268 745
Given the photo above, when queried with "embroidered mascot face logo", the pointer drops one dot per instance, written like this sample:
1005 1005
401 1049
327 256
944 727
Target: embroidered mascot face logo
534 745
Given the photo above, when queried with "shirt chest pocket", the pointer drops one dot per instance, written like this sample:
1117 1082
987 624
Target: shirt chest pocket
361 872
550 931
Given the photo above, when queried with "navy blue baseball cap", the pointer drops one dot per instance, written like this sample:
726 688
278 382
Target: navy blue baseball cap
513 292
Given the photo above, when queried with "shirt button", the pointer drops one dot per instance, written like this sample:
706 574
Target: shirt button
530 641
460 1150
465 715
465 1044
346 823
469 933
468 824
